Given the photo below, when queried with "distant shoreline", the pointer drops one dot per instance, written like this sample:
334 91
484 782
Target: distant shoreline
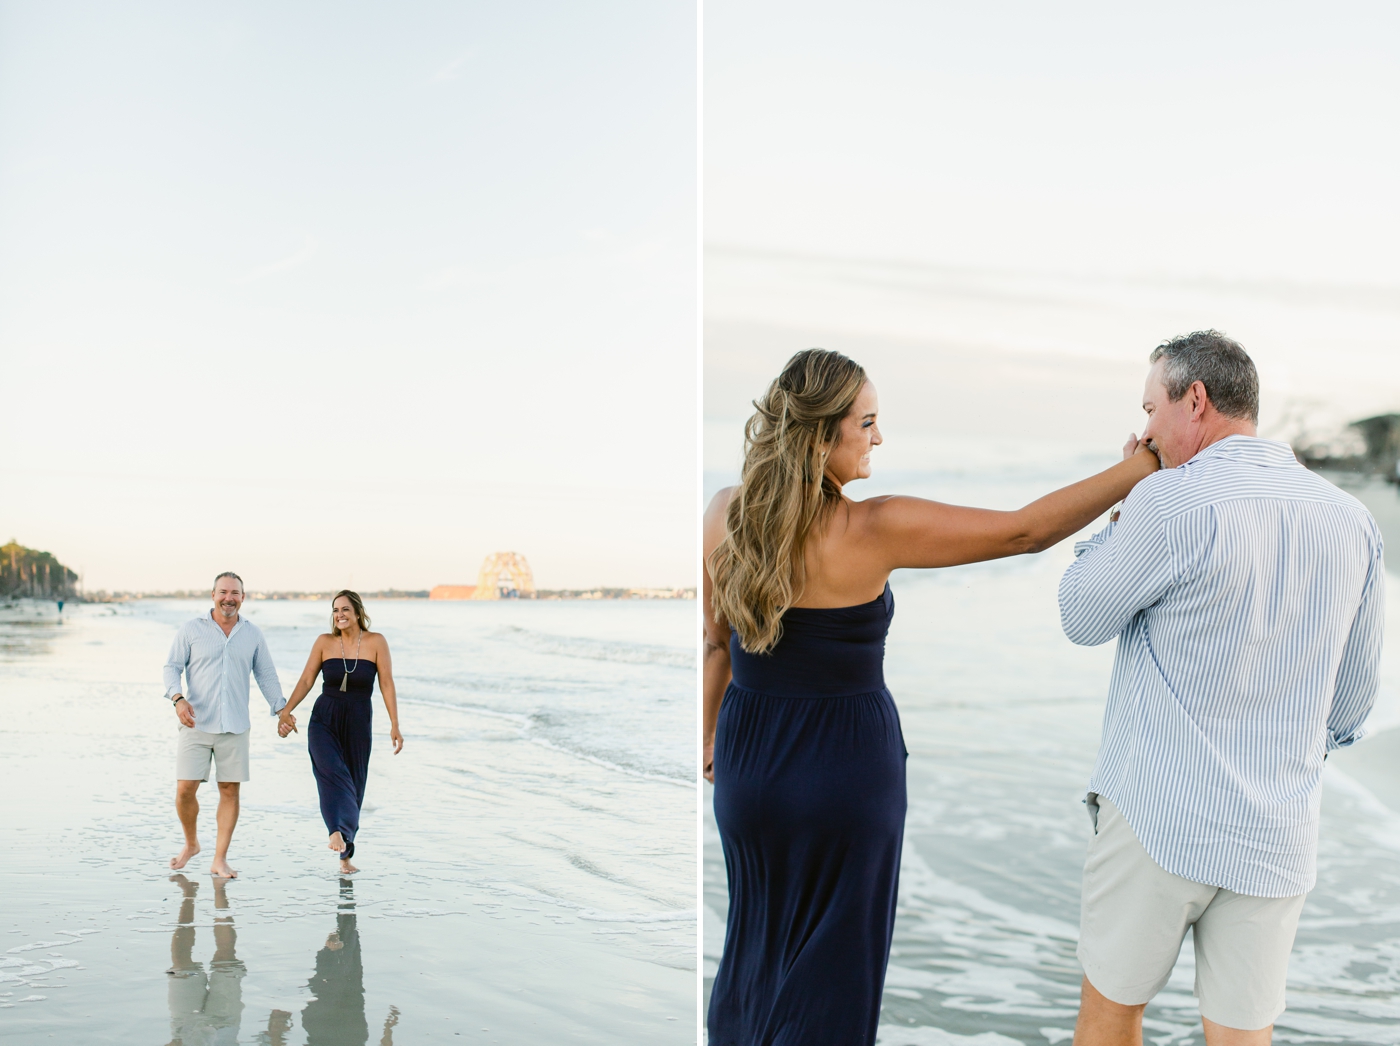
402 594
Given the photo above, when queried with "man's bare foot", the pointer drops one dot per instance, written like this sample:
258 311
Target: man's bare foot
337 843
346 868
220 870
183 857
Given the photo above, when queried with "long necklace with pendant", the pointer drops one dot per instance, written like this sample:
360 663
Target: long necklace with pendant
345 679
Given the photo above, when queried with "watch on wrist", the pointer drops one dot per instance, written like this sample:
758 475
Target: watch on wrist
177 699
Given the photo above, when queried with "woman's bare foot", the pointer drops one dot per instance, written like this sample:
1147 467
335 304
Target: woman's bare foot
337 843
220 869
346 868
183 857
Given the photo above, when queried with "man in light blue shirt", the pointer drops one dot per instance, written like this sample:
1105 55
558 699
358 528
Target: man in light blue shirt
215 653
1247 597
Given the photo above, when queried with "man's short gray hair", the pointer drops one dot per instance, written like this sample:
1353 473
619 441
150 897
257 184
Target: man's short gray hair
1217 362
230 573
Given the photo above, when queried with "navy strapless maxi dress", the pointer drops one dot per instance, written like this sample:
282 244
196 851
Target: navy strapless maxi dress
338 739
810 799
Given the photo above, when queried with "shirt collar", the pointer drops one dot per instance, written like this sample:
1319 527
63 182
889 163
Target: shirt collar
1251 449
209 616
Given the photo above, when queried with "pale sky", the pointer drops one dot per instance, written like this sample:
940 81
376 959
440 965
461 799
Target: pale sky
341 294
1003 207
1193 138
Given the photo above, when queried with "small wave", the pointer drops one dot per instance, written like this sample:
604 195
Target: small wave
583 864
514 718
601 649
893 1035
524 724
594 915
608 764
498 684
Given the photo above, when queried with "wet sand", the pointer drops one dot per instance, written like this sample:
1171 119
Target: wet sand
458 929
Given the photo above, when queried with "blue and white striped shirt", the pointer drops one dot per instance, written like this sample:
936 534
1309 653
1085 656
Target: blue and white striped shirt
216 668
1247 595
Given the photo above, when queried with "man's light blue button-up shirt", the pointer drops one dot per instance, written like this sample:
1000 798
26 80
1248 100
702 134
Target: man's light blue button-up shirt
216 669
1247 595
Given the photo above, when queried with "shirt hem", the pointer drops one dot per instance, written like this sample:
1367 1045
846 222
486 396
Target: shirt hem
1206 877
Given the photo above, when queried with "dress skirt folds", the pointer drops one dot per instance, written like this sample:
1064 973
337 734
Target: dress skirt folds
810 798
338 739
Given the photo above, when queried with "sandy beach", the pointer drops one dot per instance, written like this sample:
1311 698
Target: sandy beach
528 865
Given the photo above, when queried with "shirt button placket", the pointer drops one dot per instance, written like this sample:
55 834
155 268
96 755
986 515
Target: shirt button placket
223 683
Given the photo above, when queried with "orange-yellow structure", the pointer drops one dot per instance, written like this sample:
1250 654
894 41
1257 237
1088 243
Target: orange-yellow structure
504 575
452 592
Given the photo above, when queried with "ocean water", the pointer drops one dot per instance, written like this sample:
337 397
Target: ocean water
1001 715
527 862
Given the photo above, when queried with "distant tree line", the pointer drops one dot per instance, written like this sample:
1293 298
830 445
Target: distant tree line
26 572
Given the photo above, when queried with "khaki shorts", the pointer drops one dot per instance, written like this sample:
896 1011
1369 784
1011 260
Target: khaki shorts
1135 914
196 748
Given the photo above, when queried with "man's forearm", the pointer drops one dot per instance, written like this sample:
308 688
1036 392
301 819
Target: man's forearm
265 672
271 689
173 682
177 662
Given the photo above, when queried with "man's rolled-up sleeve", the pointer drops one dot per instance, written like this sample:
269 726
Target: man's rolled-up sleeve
1121 570
1358 674
176 663
266 674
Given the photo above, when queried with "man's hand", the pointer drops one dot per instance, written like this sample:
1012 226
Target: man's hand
186 714
286 724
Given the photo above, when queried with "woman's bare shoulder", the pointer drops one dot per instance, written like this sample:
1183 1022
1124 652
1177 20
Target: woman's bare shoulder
891 516
889 505
715 516
867 511
720 502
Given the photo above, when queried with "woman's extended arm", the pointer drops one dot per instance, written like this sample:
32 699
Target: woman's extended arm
911 532
286 722
390 695
715 670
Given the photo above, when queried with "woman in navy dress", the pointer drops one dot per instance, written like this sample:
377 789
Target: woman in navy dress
802 739
338 737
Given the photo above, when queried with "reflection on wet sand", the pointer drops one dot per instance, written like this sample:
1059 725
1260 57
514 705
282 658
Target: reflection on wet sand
28 638
337 1013
206 1008
336 1016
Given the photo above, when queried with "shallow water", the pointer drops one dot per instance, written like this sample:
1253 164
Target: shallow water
1001 715
528 861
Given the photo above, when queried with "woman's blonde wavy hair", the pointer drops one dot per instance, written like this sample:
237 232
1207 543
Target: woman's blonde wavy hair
759 569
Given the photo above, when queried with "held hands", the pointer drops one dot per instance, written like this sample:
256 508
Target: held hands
184 713
286 723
